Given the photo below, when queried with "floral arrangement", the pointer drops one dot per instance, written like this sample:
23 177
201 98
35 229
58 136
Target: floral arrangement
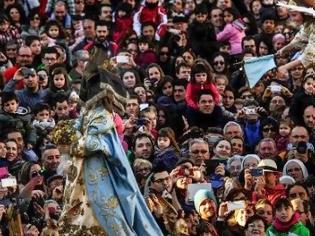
64 133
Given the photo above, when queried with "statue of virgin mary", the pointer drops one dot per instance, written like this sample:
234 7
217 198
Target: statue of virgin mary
101 194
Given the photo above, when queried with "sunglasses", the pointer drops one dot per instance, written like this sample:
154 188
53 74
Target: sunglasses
218 62
269 129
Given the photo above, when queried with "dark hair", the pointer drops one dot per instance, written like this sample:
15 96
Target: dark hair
30 39
40 107
49 50
204 92
253 219
282 201
180 82
233 11
169 133
295 185
200 68
49 146
103 23
140 136
32 14
180 65
58 25
20 9
8 96
58 71
60 98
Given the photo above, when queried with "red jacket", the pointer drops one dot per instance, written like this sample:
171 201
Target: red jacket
8 74
123 25
193 89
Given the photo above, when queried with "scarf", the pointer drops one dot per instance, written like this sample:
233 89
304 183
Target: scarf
285 227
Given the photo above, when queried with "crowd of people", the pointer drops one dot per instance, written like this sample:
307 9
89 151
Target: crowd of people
211 155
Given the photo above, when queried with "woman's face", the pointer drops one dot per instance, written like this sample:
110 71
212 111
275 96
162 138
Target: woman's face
11 51
35 21
167 89
59 81
263 49
154 74
129 80
295 171
34 168
256 7
250 163
162 117
284 214
223 149
298 192
188 58
15 15
265 211
141 93
228 99
219 64
237 146
255 228
12 151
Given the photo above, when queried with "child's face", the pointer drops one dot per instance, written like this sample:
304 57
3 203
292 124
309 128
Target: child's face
221 84
228 17
10 106
53 31
59 81
309 86
163 142
201 78
43 115
121 13
143 47
284 130
77 25
284 214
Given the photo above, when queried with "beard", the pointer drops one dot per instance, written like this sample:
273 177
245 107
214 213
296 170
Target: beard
101 39
151 5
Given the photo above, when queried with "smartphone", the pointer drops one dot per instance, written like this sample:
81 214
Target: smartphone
122 59
257 172
8 182
250 111
275 88
235 205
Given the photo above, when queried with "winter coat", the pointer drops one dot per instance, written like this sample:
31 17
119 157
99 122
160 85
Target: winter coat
297 229
193 89
233 33
20 120
166 158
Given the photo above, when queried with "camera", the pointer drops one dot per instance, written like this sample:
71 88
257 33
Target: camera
301 147
26 72
141 122
256 172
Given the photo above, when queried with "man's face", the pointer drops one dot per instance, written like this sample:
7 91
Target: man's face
232 131
199 152
89 29
10 106
184 73
51 159
60 12
101 33
223 4
49 59
18 138
268 26
299 134
62 110
276 103
179 93
216 18
162 181
143 148
31 81
250 44
24 57
309 116
266 150
148 31
106 13
132 107
79 6
296 17
206 104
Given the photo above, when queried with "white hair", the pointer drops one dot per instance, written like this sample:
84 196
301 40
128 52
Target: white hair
300 163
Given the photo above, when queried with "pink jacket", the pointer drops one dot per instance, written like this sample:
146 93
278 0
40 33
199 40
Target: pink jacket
234 35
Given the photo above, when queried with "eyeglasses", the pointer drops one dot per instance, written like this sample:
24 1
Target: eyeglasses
164 53
11 49
299 136
199 151
288 33
218 62
266 129
297 195
36 18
